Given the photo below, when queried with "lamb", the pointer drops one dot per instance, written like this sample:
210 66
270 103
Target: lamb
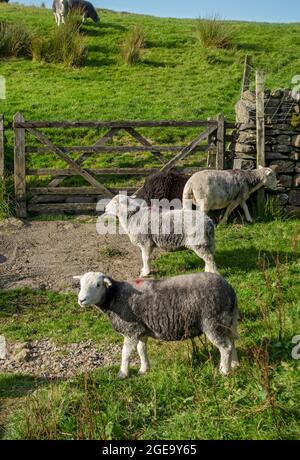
167 185
174 309
211 190
170 230
61 9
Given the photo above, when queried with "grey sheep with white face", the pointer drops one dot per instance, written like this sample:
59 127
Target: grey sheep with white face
173 309
211 190
150 227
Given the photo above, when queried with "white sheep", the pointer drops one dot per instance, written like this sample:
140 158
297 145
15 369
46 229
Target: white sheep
150 227
173 309
211 190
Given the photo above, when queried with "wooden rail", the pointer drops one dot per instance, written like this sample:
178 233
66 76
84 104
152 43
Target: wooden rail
38 199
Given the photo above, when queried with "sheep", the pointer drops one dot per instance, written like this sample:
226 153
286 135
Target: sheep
174 309
211 190
61 9
170 230
86 9
162 185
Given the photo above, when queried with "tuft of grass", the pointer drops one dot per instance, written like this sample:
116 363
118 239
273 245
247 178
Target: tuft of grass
15 40
65 45
132 46
272 210
214 33
111 252
6 197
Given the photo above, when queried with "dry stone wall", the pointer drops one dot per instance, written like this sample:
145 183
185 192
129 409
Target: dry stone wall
282 121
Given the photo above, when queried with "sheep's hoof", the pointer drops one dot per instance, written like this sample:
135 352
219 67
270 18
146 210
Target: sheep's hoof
224 372
144 274
143 371
235 364
122 376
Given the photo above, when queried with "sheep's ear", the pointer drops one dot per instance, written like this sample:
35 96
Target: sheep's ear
77 277
107 283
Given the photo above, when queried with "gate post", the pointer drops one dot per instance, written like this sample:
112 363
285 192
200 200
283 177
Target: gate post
20 167
220 163
260 132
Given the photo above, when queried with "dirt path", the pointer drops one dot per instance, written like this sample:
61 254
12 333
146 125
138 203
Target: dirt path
47 254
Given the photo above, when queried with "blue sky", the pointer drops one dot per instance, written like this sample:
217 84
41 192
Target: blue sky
251 10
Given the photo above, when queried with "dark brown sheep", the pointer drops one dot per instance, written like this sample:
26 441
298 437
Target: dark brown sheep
163 185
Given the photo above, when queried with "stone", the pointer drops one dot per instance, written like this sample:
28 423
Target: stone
242 110
294 211
246 138
294 198
282 149
283 199
284 139
294 156
11 222
283 166
296 181
296 141
244 148
239 163
297 168
247 126
249 96
286 181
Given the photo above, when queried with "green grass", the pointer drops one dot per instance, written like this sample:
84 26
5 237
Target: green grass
175 80
183 397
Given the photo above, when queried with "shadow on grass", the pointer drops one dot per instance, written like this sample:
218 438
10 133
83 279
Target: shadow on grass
14 386
247 258
110 25
149 62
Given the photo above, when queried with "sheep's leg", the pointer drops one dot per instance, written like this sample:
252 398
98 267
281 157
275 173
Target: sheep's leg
247 213
206 255
128 347
146 254
142 351
202 205
234 357
225 346
229 210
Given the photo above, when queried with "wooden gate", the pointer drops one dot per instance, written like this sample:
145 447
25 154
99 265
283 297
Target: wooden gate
27 197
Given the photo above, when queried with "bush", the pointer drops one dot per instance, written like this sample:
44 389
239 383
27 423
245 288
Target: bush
132 46
65 45
213 33
15 40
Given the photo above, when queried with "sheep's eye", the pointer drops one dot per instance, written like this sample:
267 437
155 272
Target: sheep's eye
98 284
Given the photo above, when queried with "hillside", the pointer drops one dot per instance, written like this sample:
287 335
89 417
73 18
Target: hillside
177 79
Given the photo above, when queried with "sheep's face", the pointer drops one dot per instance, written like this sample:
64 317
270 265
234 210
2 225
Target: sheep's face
121 205
93 288
269 179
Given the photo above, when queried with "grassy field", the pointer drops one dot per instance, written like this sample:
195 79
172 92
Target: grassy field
177 79
183 397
